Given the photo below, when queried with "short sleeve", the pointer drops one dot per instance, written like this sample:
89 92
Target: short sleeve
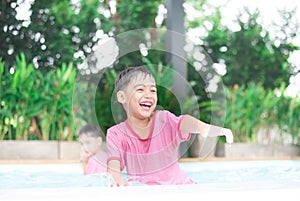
176 121
114 146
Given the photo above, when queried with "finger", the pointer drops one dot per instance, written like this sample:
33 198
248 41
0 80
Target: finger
112 185
128 184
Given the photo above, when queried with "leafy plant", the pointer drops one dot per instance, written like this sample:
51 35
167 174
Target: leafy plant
252 107
34 105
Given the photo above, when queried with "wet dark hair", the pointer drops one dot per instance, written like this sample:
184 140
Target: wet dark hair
128 74
90 130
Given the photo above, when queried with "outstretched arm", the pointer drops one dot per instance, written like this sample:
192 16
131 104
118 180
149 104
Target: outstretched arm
192 125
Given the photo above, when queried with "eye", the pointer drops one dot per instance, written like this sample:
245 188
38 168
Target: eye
140 89
153 90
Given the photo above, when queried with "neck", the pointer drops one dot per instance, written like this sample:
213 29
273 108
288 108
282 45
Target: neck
141 127
97 151
139 123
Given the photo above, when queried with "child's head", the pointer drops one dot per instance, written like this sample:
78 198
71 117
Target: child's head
136 91
90 139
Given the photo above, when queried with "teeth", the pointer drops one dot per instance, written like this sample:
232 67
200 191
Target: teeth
146 104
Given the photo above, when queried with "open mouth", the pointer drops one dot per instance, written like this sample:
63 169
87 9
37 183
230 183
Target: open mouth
146 105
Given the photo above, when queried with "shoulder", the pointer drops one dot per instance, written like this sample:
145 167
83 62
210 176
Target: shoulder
166 117
116 128
163 114
116 132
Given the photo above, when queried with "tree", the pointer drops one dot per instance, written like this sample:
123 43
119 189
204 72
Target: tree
250 55
60 29
11 32
57 30
286 33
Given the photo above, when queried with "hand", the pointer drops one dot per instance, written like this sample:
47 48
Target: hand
228 134
120 185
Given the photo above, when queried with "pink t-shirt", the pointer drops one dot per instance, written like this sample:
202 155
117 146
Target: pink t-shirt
97 163
153 160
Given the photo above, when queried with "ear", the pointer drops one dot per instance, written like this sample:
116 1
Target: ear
121 97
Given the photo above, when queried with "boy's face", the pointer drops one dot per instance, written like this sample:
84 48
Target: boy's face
90 145
140 97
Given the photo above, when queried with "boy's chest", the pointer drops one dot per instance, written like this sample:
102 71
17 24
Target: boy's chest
143 133
154 143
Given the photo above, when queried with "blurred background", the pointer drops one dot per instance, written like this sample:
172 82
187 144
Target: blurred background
251 48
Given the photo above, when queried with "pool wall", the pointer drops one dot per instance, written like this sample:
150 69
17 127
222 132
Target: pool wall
253 150
65 150
39 150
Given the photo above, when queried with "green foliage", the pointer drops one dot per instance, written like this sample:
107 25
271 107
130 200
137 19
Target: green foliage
36 105
39 106
250 55
255 63
286 114
104 102
252 107
133 15
71 28
11 32
249 52
57 30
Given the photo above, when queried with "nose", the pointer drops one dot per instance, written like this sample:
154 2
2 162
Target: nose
147 93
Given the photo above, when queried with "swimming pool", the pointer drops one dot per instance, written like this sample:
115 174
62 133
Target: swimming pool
276 179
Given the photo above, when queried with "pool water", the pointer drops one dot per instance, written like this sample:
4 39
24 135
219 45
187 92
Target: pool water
244 171
24 176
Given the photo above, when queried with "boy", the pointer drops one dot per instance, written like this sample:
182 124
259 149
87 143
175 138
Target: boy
147 142
93 158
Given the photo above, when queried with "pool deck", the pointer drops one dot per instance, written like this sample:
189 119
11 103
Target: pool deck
210 192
